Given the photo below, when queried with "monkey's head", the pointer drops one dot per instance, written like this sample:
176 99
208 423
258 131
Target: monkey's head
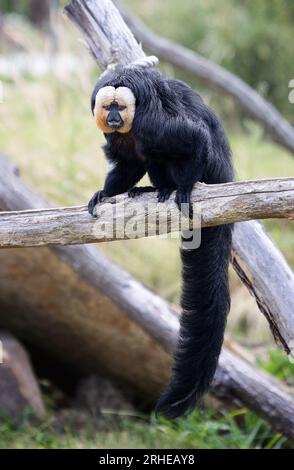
114 109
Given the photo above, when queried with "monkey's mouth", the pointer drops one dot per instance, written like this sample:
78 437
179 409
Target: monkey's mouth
115 124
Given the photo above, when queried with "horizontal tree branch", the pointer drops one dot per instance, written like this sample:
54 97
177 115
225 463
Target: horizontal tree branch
122 217
213 74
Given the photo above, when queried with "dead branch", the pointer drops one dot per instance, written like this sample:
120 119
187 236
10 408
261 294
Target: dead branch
122 218
106 33
266 273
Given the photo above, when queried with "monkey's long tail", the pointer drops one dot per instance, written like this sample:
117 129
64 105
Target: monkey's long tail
205 304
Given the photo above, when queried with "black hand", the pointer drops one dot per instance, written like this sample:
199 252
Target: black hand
97 197
164 194
183 201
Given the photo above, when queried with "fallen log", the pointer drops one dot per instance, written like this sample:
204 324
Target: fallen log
266 273
19 389
213 205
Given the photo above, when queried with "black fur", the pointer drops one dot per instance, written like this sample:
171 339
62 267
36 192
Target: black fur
178 140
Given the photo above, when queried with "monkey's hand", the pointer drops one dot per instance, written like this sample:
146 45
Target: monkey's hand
137 190
183 201
164 194
98 197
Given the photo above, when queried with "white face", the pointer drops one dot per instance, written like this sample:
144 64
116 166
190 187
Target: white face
114 109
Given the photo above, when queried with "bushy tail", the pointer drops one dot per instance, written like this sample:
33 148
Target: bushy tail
205 304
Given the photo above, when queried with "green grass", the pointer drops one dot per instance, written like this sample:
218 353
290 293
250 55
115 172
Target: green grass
200 430
279 365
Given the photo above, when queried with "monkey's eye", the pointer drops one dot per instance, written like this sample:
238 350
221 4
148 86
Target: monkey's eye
107 108
121 108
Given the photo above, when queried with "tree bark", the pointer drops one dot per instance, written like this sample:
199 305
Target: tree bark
264 270
123 218
260 381
19 389
108 37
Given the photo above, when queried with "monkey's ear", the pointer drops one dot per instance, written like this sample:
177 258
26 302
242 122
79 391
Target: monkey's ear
93 96
93 99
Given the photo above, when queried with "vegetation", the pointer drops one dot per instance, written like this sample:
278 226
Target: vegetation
199 431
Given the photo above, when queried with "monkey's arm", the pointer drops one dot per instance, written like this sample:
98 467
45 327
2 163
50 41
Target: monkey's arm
185 175
157 173
189 168
120 179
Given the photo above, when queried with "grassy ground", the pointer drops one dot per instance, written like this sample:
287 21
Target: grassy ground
47 129
198 431
238 429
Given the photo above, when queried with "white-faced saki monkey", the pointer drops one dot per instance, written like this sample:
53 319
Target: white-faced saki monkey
159 126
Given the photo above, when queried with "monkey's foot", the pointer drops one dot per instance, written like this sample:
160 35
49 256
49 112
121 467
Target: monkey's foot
98 197
137 190
164 194
183 201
